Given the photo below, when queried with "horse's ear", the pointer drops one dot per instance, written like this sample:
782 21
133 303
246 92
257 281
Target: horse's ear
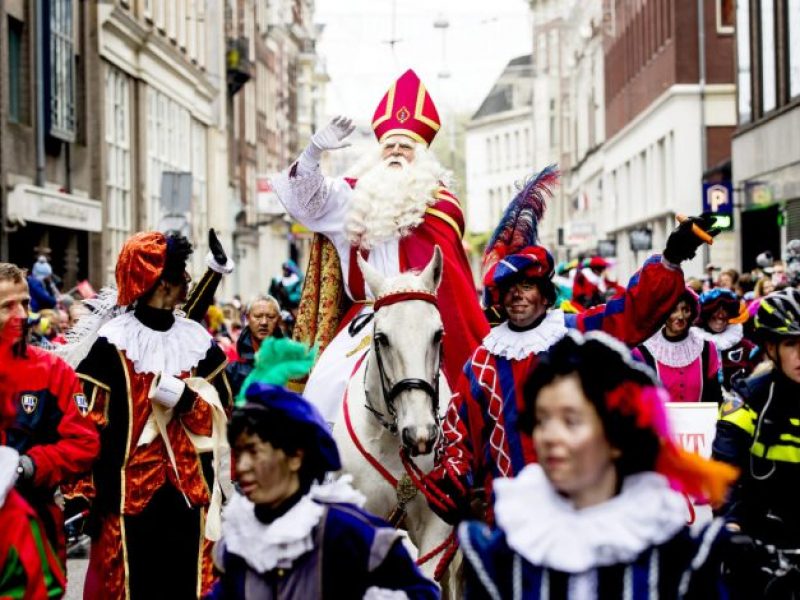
432 273
372 277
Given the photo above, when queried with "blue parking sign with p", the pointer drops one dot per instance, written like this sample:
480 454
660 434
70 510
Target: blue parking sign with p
718 197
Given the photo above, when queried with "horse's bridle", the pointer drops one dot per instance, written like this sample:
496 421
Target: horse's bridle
391 391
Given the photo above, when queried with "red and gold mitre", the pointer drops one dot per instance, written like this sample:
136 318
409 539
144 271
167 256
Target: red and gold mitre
406 109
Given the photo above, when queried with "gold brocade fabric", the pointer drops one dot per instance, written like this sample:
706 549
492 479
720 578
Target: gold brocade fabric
323 302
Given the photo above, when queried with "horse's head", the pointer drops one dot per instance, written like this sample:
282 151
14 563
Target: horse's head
403 370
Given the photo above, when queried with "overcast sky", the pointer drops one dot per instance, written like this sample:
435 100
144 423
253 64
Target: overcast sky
481 38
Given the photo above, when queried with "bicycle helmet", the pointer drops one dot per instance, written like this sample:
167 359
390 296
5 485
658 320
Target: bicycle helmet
778 315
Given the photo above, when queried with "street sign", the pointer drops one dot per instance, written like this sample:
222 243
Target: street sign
723 221
641 239
176 192
607 248
718 197
267 202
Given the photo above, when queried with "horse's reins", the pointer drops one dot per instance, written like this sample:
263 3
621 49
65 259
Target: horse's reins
413 473
390 392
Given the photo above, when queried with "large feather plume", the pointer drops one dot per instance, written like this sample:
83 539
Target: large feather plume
279 360
83 335
519 226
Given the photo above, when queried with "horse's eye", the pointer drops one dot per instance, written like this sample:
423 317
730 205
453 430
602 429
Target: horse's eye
437 337
380 338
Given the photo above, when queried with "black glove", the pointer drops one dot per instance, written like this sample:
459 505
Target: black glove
683 243
217 251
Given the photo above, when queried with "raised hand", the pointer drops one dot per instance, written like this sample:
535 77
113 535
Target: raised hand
217 251
333 135
683 242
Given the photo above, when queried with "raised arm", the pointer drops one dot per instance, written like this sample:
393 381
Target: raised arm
651 292
302 189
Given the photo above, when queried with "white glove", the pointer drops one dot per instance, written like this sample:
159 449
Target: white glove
330 137
166 390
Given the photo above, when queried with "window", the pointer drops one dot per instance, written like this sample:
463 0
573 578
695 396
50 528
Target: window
118 161
517 150
181 18
793 13
743 76
200 36
488 155
726 14
768 84
16 71
528 160
62 72
158 13
552 123
171 10
507 150
199 180
168 137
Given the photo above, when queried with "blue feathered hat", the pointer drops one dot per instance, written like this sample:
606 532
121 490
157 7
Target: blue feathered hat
277 402
513 250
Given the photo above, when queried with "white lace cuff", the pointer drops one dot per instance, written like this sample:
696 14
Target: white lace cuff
225 269
302 194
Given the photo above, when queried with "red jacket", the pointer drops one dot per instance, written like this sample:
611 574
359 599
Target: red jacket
53 428
52 424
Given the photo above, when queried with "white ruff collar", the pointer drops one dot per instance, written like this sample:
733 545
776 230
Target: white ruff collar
502 341
266 546
171 352
9 459
675 354
647 512
724 340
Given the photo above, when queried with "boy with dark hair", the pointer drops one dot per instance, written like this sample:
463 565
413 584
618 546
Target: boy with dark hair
287 535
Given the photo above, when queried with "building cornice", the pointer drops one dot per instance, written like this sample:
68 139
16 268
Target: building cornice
136 49
675 91
506 115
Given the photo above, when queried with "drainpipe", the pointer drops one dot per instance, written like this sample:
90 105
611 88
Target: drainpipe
701 58
40 160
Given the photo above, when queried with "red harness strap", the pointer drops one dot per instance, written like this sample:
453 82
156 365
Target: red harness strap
390 479
402 296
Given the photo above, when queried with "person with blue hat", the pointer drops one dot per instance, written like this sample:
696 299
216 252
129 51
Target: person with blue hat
288 533
481 442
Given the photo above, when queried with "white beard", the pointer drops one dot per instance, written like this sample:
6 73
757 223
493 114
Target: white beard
388 202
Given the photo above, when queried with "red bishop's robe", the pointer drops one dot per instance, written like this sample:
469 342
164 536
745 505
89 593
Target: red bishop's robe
325 308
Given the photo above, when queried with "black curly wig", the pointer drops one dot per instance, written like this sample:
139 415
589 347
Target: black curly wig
602 364
179 249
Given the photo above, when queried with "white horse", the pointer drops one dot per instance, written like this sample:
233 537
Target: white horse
396 399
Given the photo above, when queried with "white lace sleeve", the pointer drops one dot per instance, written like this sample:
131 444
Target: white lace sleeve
312 199
303 193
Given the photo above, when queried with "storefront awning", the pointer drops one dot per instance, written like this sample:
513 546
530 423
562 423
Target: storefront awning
50 207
